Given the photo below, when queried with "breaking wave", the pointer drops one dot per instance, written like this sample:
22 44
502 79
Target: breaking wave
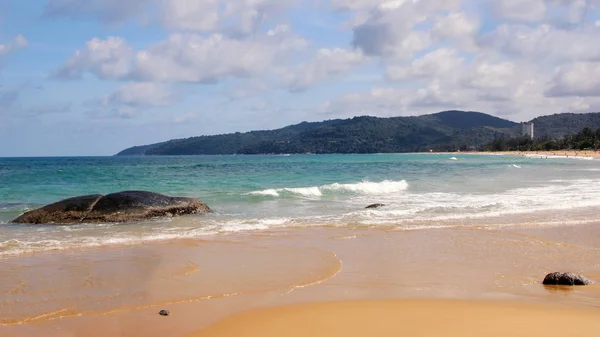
362 188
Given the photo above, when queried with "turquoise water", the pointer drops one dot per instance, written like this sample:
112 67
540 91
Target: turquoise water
252 193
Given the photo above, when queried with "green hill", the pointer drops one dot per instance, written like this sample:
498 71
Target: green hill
559 125
443 131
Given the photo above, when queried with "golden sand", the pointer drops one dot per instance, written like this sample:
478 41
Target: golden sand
427 318
118 291
557 153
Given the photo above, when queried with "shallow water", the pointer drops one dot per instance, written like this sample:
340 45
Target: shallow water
254 193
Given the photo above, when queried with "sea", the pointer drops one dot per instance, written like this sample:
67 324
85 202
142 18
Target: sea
250 194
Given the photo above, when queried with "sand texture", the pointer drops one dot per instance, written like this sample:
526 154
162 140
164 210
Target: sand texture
426 318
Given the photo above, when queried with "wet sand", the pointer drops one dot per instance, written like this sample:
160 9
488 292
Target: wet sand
118 291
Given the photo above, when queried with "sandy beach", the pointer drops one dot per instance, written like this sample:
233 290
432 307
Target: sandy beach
423 318
551 154
370 273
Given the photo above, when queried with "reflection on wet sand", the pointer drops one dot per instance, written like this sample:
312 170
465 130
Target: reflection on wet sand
119 290
49 286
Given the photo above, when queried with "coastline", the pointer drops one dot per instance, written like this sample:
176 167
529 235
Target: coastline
542 154
204 281
476 234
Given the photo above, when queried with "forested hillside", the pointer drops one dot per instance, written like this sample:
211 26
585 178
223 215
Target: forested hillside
444 131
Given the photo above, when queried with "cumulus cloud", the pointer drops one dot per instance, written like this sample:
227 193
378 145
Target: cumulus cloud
200 15
401 28
18 42
183 57
327 63
577 79
424 55
439 62
559 12
520 10
388 32
107 59
544 42
239 17
195 58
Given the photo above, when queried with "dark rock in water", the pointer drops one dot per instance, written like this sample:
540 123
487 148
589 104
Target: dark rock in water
566 279
164 312
116 207
375 206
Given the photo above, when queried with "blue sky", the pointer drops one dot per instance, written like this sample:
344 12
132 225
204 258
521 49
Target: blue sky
94 77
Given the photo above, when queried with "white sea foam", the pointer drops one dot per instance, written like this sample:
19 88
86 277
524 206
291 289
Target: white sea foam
364 187
269 192
516 166
453 158
16 247
305 191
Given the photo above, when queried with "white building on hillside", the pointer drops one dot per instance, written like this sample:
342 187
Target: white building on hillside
527 129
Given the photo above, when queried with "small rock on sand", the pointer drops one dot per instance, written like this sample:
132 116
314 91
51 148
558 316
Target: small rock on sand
375 206
566 279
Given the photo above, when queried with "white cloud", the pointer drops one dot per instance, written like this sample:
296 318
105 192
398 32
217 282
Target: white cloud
578 79
456 25
488 76
107 59
327 63
183 57
200 15
388 32
544 42
434 51
520 10
194 58
239 17
438 62
243 17
389 28
18 42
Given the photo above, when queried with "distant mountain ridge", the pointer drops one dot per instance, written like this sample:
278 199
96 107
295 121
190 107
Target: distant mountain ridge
443 131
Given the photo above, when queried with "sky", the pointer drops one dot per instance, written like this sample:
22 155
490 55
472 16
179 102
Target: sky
93 77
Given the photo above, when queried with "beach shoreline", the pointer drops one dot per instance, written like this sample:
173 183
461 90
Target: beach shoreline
203 282
541 154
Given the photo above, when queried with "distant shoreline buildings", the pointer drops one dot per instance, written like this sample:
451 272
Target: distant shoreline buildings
527 129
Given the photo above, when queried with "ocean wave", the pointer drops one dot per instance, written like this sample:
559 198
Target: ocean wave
15 207
18 247
362 188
